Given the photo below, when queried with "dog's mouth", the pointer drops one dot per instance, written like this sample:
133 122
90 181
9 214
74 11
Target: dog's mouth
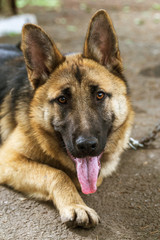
87 172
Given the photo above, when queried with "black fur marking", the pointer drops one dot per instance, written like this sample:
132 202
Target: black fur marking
13 78
109 95
95 88
66 92
12 68
113 117
78 75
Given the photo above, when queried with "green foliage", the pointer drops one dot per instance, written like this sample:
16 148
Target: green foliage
156 6
44 3
12 34
71 28
126 9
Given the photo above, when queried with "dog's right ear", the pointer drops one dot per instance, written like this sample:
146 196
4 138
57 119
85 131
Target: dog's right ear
40 53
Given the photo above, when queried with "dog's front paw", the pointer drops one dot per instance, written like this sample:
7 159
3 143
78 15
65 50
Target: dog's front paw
79 215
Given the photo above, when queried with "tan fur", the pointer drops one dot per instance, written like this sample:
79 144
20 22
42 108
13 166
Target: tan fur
31 158
7 125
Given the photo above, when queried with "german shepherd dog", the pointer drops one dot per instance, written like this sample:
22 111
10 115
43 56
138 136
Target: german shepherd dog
64 119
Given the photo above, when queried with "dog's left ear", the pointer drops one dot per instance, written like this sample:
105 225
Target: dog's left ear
40 53
101 43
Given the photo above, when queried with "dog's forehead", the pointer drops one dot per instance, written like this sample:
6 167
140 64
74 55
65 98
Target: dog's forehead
76 69
78 72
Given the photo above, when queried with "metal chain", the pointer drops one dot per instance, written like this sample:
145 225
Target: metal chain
145 141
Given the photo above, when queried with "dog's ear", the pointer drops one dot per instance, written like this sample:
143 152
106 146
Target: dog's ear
101 43
40 53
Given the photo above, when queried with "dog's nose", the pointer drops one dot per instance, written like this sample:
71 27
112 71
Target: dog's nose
86 146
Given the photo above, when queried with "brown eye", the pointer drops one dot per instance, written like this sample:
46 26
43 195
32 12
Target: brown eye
100 95
62 100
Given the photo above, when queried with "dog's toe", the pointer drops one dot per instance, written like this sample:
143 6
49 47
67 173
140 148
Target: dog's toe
79 215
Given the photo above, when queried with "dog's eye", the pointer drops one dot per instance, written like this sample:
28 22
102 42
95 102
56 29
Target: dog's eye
100 95
62 100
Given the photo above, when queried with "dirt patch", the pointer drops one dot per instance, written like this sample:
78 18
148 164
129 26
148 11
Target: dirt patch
151 71
128 202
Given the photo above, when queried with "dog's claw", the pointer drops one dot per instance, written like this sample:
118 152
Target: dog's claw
79 215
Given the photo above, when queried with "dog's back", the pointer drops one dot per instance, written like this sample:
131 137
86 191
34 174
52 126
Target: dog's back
13 85
11 61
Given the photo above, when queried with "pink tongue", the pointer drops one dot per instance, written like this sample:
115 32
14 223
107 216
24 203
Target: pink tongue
87 172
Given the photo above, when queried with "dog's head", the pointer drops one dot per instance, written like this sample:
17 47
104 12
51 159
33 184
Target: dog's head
81 97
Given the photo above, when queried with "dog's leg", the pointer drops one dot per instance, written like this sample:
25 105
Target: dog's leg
44 182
